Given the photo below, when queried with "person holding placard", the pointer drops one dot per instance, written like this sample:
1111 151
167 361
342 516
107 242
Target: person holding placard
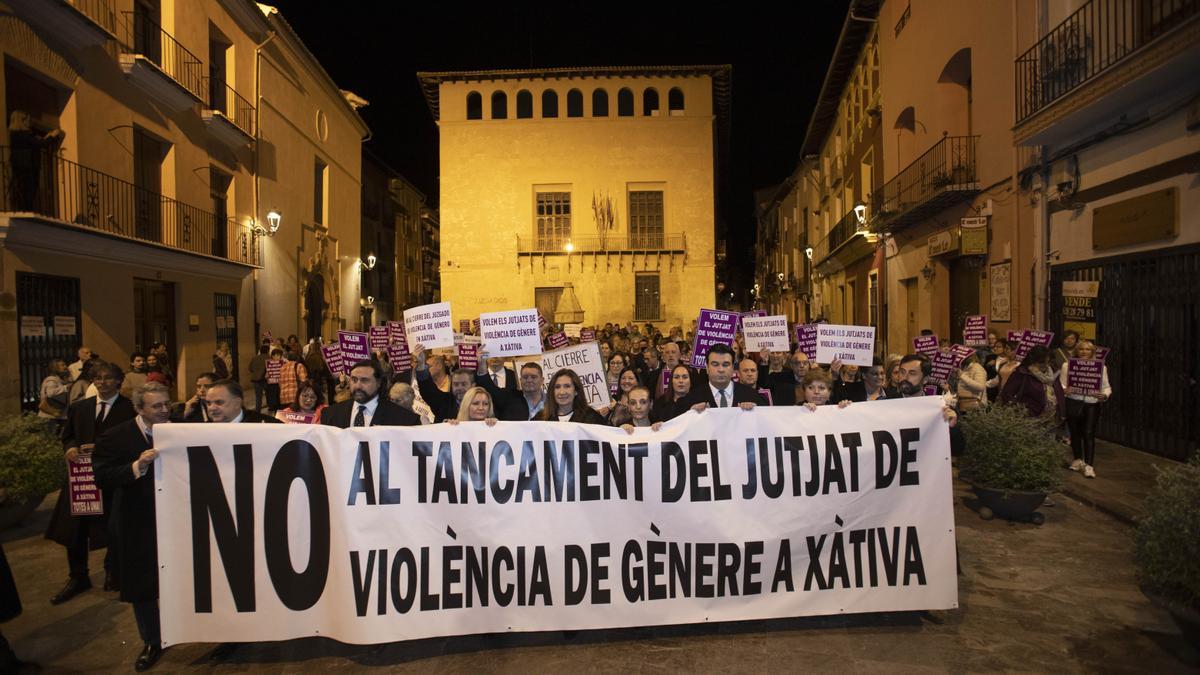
1083 412
444 404
476 407
532 398
567 401
307 406
847 386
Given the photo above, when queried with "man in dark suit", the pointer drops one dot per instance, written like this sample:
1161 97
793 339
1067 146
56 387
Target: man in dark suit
123 458
223 400
719 390
783 384
86 419
366 408
532 397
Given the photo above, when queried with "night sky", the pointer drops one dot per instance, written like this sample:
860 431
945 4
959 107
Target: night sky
779 59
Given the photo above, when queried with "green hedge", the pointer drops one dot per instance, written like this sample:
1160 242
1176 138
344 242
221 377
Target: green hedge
31 458
1167 542
1007 449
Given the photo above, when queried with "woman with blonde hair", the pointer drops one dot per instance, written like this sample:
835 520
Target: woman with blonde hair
476 406
1083 411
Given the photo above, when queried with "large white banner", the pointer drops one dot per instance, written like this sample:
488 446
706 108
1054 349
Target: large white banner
273 532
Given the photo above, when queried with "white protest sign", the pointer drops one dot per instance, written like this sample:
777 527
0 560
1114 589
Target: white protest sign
852 345
429 326
275 532
765 332
510 333
584 359
572 330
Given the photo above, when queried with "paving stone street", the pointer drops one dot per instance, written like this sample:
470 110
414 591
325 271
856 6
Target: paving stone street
1058 598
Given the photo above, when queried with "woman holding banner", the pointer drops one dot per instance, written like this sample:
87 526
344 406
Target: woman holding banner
663 409
1083 412
306 407
567 401
476 407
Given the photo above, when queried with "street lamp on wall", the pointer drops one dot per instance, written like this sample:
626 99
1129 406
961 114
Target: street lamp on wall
274 220
369 264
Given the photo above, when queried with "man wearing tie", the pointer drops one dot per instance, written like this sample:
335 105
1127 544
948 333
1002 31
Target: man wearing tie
720 391
86 419
366 408
123 459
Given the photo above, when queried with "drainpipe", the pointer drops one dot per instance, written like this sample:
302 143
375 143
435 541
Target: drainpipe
258 132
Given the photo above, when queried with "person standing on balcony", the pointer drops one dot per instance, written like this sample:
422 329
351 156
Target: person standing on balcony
27 150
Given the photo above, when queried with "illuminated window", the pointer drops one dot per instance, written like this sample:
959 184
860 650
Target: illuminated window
646 219
553 220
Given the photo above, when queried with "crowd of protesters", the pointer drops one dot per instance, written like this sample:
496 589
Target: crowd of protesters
103 410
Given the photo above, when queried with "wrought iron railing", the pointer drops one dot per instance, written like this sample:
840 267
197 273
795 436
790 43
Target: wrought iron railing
146 38
36 181
101 12
947 167
841 232
225 100
648 311
613 243
1094 38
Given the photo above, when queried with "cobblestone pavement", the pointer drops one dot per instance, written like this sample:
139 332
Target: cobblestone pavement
1058 598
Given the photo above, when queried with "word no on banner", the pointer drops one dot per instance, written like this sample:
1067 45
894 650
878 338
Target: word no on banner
273 532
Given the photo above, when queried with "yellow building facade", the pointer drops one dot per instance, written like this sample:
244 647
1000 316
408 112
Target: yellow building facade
183 127
602 178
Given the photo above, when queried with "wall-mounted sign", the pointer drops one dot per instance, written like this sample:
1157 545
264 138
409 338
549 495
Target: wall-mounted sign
942 243
973 238
1000 284
1149 217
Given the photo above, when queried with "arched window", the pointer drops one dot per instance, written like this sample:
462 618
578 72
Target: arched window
574 103
675 101
625 103
474 106
599 103
650 102
549 103
524 105
499 106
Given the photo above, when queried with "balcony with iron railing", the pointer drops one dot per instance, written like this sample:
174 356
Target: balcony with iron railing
72 195
79 24
946 174
228 115
156 62
655 242
1090 42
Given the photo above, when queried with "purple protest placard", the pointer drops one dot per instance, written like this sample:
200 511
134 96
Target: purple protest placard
931 390
541 320
664 381
399 357
766 393
1014 338
1102 352
926 344
1031 339
396 332
85 496
961 353
475 326
354 346
333 359
468 356
975 331
558 340
298 416
587 335
943 363
806 340
379 338
274 367
1085 376
712 328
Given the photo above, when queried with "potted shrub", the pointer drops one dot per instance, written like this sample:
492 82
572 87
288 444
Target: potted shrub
31 466
1167 545
1012 461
